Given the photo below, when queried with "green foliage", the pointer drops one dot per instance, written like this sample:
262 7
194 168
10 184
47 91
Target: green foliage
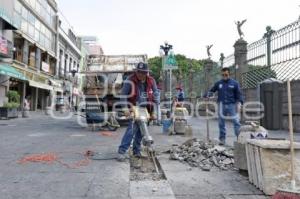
11 105
155 64
184 64
13 99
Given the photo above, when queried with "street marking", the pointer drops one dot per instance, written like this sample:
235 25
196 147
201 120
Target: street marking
78 135
38 135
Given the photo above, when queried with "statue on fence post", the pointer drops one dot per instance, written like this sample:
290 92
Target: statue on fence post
239 25
208 47
222 57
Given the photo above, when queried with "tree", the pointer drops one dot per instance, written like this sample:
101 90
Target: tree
190 73
184 66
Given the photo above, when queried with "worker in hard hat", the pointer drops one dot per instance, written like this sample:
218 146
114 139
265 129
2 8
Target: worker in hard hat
141 90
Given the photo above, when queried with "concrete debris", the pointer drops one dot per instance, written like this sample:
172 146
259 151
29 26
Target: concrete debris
198 153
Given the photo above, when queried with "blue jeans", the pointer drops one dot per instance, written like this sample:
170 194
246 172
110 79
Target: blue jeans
228 111
132 132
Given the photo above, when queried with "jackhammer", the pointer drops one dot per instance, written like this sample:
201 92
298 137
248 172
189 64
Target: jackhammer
141 117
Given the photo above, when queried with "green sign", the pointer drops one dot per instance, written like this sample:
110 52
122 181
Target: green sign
11 71
170 63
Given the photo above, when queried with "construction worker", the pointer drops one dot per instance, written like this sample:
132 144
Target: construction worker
229 100
141 90
180 94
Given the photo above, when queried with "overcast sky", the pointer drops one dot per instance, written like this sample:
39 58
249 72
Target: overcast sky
141 26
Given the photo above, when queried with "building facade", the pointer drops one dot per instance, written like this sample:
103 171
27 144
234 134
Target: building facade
34 59
69 58
40 55
7 25
93 45
83 62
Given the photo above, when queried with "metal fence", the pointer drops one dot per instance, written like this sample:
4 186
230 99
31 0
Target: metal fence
276 55
195 84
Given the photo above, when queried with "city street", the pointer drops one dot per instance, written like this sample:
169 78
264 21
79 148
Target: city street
99 178
68 67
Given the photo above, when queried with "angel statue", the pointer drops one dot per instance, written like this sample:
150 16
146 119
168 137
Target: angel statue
239 25
208 50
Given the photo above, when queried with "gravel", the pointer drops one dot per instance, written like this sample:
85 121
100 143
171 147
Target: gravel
197 153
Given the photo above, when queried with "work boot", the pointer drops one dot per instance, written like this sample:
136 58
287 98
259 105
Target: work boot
137 155
136 162
222 142
122 157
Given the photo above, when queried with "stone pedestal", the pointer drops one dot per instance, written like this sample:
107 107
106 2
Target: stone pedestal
208 66
269 166
240 57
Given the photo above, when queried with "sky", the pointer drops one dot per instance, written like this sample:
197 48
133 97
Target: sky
141 26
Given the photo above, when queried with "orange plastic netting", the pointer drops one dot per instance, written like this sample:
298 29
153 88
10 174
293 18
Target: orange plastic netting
51 158
108 134
43 158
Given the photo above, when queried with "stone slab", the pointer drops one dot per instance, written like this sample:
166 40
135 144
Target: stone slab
151 189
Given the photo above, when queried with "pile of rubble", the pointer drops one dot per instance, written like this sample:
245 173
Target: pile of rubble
206 156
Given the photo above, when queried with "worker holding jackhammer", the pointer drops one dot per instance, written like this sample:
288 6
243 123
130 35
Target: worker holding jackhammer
140 90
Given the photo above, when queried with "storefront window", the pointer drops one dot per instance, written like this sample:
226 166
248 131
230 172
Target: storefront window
31 57
18 53
70 64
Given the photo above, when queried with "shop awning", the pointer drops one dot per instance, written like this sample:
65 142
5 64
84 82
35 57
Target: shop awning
11 71
40 85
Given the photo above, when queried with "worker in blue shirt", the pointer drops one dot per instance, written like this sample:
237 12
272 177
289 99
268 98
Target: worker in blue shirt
230 100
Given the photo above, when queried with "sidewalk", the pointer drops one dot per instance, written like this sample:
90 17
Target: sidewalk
193 183
199 130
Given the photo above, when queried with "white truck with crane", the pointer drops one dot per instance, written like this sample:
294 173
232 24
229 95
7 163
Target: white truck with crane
104 77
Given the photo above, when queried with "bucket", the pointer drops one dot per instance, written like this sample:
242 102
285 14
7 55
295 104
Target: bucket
166 125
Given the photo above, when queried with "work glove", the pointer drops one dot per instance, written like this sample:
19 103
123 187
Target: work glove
153 116
127 112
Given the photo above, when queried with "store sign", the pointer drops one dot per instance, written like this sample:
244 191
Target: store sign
5 47
45 67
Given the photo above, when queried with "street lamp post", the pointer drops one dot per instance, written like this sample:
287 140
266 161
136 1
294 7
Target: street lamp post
73 72
164 51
